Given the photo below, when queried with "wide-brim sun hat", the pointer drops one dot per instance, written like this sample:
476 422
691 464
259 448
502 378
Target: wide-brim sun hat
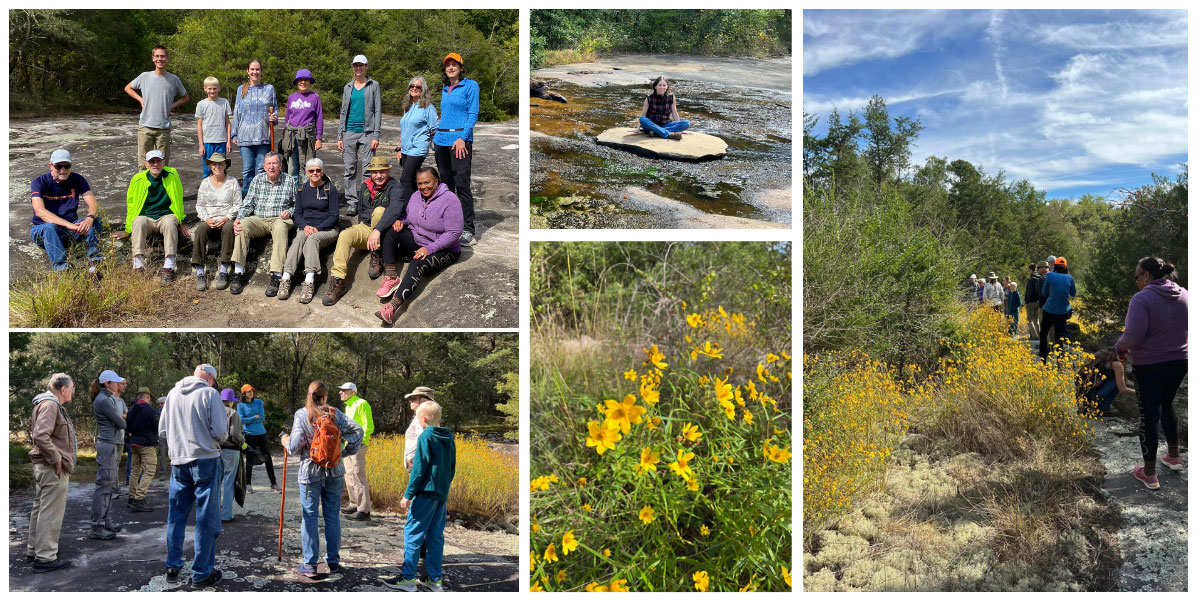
379 163
420 391
218 157
303 74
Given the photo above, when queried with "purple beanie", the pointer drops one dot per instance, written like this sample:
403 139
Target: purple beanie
228 395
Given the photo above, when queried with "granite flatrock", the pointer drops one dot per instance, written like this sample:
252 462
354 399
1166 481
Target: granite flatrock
694 147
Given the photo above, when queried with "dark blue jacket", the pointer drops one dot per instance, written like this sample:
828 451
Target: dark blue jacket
143 425
316 206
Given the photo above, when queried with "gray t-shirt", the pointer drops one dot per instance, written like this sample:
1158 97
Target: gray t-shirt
213 115
158 93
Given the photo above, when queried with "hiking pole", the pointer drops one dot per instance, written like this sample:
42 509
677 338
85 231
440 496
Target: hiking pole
272 126
282 499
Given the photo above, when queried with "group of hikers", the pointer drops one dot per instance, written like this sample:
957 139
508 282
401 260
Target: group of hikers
1154 341
213 440
423 217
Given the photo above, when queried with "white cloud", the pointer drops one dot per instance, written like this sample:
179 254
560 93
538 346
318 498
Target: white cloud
1170 30
842 38
995 33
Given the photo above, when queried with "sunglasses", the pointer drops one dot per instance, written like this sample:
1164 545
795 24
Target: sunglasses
415 87
62 167
315 170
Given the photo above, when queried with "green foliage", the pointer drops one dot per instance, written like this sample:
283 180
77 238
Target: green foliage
726 32
509 386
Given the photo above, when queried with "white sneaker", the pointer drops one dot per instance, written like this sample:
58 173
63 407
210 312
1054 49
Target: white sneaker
404 585
434 585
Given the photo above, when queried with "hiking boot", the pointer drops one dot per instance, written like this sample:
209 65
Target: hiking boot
352 210
222 281
41 566
285 289
387 313
201 282
1151 481
466 239
675 135
1174 463
376 265
434 585
237 283
360 516
168 275
212 579
113 527
404 585
389 286
307 289
273 286
173 574
334 568
30 558
337 287
140 506
349 510
100 533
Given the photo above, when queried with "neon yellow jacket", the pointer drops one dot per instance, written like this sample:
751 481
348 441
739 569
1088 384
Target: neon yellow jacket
360 412
139 188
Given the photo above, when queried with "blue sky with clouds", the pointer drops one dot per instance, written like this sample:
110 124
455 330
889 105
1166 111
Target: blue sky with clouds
1074 101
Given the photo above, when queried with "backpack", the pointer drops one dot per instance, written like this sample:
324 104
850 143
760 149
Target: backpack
326 447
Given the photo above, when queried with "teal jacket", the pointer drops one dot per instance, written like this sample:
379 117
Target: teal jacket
433 466
139 188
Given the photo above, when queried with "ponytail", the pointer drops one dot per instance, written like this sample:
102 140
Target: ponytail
315 400
94 389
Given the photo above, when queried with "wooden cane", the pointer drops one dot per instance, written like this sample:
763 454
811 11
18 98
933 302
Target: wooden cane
282 500
272 126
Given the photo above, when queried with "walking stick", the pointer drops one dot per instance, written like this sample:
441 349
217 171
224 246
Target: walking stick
282 499
272 126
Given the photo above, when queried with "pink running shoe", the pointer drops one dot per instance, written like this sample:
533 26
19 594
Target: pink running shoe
388 287
1151 481
386 313
1174 463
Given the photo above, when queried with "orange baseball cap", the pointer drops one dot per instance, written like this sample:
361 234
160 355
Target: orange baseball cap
453 55
1060 261
247 388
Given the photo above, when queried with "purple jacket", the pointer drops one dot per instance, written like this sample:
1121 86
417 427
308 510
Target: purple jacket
436 223
1156 324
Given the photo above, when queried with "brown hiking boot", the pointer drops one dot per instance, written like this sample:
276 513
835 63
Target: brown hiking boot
285 289
376 265
306 292
337 287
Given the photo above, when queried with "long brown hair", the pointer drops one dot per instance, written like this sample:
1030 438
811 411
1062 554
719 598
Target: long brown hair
94 389
315 400
246 88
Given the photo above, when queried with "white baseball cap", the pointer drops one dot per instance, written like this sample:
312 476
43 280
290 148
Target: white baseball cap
349 386
359 59
153 154
109 376
60 156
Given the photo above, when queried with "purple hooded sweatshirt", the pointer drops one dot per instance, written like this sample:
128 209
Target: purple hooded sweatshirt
436 223
1156 324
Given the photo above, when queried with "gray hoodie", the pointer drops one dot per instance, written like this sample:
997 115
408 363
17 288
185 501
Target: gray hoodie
372 115
110 425
193 422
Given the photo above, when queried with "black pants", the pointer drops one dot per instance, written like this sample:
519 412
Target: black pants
200 242
396 245
1156 388
408 174
259 442
1059 323
456 174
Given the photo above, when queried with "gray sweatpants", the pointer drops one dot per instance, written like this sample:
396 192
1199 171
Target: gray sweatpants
355 157
108 456
308 246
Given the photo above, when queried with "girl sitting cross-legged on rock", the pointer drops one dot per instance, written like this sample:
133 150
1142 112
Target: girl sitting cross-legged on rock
660 113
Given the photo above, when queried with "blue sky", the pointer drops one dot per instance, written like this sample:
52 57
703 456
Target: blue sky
1074 101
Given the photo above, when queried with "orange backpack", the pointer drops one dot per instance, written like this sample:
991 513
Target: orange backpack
326 447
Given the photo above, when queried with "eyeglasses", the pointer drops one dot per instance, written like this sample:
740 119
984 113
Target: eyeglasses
415 87
62 167
315 170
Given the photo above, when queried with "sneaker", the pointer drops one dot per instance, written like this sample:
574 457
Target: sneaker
1174 463
285 289
1151 481
404 585
334 568
273 286
173 574
349 510
434 585
222 281
337 287
275 488
100 533
212 579
387 313
41 566
306 570
201 282
675 135
360 516
352 210
237 283
168 275
389 286
307 289
376 265
466 239
113 527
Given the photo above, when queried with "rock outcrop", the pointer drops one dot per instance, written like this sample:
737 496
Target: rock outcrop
694 147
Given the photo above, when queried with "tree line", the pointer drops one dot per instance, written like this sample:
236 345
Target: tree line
726 32
474 374
888 241
80 60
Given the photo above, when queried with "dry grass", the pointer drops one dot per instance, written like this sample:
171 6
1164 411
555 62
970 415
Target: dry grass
73 298
569 56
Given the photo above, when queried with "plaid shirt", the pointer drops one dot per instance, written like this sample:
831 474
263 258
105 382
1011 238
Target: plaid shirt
267 199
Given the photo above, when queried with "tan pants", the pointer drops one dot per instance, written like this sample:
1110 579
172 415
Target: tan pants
1033 319
167 225
149 139
49 504
356 480
352 238
145 461
256 227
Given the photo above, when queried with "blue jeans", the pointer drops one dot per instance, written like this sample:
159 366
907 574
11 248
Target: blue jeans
209 150
128 461
196 482
673 126
51 236
252 163
329 496
229 465
425 526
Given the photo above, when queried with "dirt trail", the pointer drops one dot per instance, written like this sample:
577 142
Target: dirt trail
246 549
480 290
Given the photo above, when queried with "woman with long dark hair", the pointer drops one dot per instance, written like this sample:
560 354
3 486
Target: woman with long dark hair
1156 329
321 484
1058 287
452 141
660 112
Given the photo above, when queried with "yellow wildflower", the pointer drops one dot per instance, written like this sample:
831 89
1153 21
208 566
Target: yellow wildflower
694 320
561 576
648 460
581 481
737 395
631 375
760 371
603 436
691 433
712 350
618 585
587 507
654 357
787 577
704 530
693 484
569 542
646 515
532 560
624 413
535 527
753 390
536 587
553 478
607 553
701 579
680 466
784 355
771 358
550 555
750 587
748 417
703 380
776 454
653 423
649 393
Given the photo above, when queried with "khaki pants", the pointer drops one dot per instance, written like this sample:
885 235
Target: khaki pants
356 480
149 139
352 238
49 505
167 225
145 461
256 227
1033 319
310 247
